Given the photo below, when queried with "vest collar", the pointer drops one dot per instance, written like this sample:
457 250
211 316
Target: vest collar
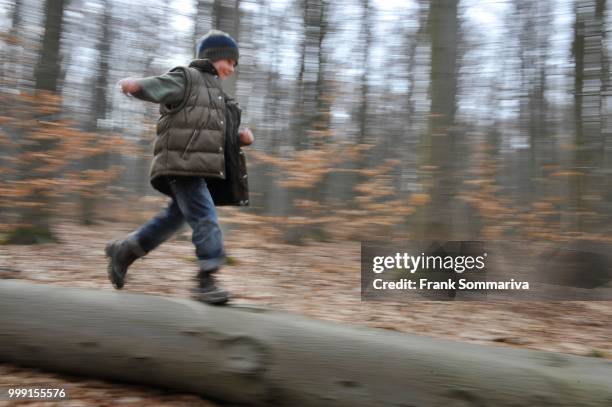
204 65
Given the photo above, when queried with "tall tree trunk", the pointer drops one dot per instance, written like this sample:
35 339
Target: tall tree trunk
345 184
309 77
11 75
439 142
48 68
589 67
367 35
10 55
99 109
534 27
312 113
35 217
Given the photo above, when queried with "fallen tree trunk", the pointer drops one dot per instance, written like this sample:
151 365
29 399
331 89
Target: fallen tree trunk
260 357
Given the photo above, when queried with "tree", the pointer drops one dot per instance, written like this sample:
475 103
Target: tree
35 216
99 108
48 67
590 77
311 112
439 140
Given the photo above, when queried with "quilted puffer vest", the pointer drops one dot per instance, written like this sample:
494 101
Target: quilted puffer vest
191 135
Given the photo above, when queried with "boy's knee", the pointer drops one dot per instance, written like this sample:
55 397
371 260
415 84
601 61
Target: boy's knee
207 228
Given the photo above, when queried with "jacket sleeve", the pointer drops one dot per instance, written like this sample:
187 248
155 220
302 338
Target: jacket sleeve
168 89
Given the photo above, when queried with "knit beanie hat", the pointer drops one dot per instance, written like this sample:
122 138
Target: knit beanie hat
216 45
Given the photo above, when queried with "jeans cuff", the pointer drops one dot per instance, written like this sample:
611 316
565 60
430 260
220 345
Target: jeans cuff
134 245
210 264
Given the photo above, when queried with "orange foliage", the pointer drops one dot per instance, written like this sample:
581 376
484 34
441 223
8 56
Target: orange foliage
49 154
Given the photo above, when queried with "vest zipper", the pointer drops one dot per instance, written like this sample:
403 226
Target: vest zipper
189 143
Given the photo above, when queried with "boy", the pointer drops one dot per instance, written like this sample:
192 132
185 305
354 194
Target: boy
188 159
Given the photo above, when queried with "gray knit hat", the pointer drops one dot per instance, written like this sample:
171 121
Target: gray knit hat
216 45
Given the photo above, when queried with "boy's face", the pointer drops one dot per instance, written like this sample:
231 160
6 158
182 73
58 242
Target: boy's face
224 67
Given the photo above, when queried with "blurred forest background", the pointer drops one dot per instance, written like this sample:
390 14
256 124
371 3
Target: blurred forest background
372 118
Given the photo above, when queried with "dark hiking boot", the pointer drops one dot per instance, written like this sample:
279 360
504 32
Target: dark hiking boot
121 254
207 290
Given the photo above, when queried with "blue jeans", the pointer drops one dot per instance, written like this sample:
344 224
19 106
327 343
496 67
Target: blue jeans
191 203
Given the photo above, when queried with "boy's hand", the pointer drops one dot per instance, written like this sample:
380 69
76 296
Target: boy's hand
246 137
129 86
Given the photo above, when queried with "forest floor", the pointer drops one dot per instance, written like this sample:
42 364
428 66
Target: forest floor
319 280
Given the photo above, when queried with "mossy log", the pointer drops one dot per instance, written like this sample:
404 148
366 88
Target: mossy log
260 357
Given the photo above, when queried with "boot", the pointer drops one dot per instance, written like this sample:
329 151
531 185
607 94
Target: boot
207 290
121 254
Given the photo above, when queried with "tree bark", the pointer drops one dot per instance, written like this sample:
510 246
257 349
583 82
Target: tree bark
588 49
439 142
48 68
261 357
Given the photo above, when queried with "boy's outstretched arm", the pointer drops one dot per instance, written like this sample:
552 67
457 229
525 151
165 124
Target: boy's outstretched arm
168 88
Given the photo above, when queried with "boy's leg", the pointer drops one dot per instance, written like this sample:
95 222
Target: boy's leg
122 253
159 228
199 210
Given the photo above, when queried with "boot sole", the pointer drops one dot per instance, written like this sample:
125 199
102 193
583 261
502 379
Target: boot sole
212 299
115 278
